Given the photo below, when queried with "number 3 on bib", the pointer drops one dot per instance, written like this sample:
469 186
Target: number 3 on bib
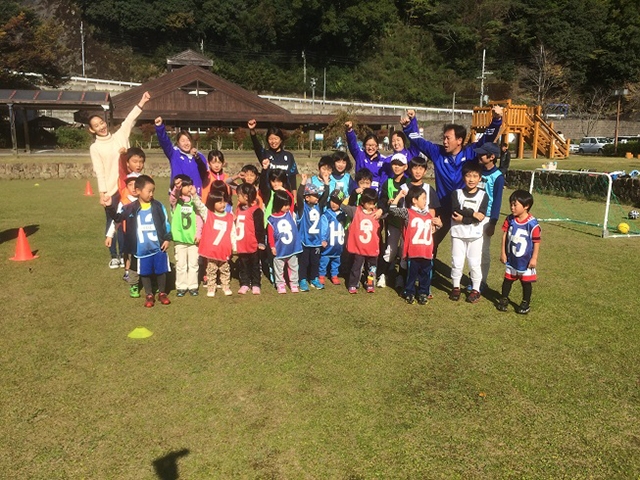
366 229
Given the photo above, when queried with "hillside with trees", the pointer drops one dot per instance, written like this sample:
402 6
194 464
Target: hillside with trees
409 51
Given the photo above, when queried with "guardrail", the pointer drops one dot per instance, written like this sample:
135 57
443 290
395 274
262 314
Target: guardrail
104 82
364 105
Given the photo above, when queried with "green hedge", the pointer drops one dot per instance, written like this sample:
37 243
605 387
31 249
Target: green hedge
623 148
70 137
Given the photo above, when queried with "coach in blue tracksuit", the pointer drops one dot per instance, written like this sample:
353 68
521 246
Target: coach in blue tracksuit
448 160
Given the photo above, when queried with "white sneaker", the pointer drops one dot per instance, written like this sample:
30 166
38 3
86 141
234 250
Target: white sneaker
211 292
227 291
121 262
382 281
114 263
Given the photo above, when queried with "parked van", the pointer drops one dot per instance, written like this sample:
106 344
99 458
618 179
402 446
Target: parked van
593 145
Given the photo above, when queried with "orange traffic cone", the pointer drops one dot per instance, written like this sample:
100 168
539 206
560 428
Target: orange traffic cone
23 251
88 191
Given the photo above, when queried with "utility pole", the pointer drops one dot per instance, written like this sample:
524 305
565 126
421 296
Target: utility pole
304 73
12 122
619 94
540 66
453 109
313 94
483 76
82 47
324 89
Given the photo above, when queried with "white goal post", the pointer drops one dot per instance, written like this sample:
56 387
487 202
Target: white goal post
606 231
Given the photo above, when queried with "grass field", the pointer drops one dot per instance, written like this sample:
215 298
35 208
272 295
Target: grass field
316 385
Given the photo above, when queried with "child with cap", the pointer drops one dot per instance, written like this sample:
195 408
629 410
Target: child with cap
310 206
393 225
332 231
493 185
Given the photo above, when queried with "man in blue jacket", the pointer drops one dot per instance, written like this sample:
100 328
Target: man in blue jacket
448 160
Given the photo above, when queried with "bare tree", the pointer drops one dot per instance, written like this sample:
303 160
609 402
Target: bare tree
590 108
545 78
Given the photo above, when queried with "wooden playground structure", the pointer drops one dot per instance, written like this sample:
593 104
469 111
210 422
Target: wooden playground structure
528 126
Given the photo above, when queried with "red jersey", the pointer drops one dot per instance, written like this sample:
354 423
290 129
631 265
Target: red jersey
246 230
363 234
418 242
215 242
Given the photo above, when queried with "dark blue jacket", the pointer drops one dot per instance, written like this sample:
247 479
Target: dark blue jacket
448 168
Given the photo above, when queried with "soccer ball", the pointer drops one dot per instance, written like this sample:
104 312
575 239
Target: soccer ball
634 215
623 227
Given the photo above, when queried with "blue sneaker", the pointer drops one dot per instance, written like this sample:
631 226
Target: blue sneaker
304 286
316 283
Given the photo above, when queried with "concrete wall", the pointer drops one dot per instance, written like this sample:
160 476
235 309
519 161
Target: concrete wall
626 189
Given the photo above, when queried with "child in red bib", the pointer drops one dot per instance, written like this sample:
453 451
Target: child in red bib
217 242
250 238
419 226
363 241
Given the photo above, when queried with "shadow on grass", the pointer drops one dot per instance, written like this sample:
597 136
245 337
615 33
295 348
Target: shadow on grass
166 467
12 233
574 227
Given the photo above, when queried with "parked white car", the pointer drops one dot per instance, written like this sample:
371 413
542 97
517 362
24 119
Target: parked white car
593 145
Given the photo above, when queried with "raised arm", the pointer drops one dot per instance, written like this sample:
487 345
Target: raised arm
130 120
163 138
419 144
257 147
352 143
412 128
493 129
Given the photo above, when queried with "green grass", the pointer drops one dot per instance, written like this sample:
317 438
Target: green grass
578 162
317 385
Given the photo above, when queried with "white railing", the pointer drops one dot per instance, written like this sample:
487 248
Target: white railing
377 106
104 82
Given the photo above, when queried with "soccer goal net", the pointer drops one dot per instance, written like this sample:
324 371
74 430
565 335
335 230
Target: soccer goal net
582 198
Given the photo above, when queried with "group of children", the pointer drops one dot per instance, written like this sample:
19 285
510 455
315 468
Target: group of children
333 223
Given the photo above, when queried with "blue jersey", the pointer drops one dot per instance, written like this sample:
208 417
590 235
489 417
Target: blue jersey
316 182
340 182
147 242
332 227
285 234
493 185
520 240
309 226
